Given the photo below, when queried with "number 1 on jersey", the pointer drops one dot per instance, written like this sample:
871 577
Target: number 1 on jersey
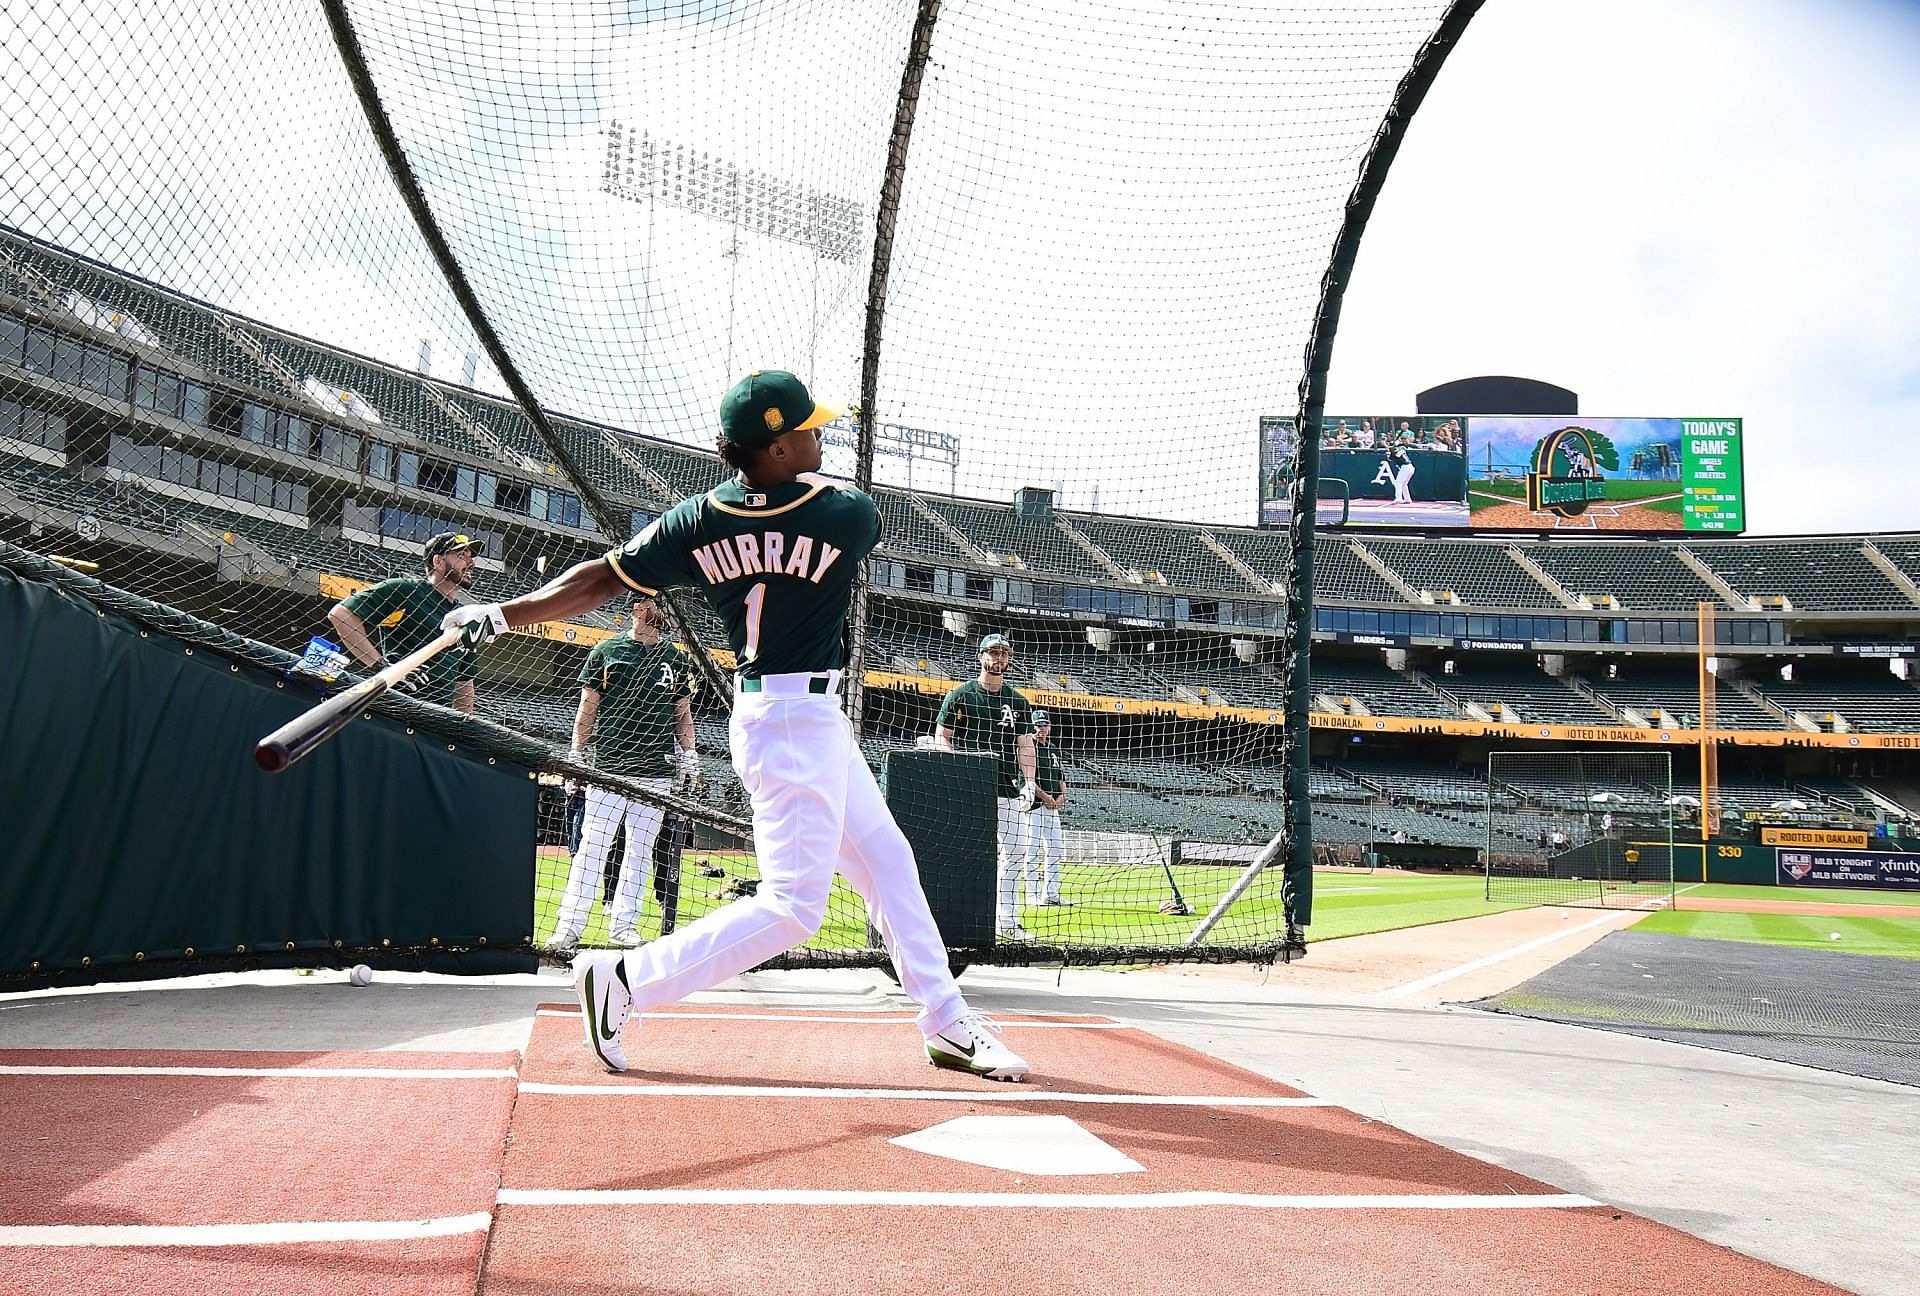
756 601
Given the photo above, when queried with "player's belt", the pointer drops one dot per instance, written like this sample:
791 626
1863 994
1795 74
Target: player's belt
798 684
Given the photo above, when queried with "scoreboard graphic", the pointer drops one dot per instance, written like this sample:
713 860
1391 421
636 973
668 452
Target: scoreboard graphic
1516 473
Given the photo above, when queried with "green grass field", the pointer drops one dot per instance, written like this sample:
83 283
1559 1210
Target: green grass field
1120 906
1112 906
1812 895
1887 937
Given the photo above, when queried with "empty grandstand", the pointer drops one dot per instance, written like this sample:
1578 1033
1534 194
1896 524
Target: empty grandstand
190 433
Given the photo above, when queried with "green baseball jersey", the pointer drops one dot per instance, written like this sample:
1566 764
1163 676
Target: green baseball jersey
778 566
403 614
639 686
1048 776
990 722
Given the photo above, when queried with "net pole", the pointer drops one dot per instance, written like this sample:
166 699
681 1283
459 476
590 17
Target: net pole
1268 854
1297 819
904 112
610 521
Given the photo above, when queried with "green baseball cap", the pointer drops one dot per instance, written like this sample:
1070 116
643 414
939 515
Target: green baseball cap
1042 718
769 403
996 641
447 541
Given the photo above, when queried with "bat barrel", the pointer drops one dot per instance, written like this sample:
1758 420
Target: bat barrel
312 727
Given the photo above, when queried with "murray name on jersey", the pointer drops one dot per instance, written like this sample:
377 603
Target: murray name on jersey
775 565
765 553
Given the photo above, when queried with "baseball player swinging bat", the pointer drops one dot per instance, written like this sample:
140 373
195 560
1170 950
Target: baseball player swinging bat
314 726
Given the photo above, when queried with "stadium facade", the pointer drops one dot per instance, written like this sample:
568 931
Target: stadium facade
252 476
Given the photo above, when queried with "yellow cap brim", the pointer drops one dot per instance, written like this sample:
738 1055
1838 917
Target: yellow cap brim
821 416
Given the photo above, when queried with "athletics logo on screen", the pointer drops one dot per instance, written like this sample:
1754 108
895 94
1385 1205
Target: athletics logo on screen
1565 475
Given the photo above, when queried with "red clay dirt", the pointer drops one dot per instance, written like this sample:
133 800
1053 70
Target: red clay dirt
95 1149
749 1047
609 1139
1220 1251
115 1150
435 1266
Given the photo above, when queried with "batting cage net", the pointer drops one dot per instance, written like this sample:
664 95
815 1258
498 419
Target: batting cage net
315 318
1582 828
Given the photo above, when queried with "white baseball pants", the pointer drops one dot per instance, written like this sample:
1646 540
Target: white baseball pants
1010 839
816 808
606 810
1041 874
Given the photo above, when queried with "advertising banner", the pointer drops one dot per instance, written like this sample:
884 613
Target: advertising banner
1831 838
1530 472
1824 869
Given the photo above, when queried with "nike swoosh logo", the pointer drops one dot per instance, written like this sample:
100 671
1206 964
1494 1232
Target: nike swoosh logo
966 1052
596 1009
606 1031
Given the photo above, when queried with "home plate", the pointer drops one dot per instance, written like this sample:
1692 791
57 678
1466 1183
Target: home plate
1035 1145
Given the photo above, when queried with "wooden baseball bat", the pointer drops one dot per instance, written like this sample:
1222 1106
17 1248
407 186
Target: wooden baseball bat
323 720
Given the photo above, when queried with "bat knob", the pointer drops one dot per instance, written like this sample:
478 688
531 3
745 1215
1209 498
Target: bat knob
271 757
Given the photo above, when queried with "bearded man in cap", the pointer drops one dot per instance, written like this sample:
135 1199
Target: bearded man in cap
404 614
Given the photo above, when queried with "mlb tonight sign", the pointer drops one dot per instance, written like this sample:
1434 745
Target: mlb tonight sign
1874 870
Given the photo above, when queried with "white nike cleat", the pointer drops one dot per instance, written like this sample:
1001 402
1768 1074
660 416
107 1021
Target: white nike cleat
600 984
973 1044
562 943
627 938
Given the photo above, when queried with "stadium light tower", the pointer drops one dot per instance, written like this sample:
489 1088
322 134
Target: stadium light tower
641 168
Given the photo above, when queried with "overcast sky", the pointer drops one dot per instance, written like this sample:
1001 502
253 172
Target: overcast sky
1672 207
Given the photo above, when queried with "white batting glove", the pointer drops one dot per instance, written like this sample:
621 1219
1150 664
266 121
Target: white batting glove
479 623
1028 794
686 770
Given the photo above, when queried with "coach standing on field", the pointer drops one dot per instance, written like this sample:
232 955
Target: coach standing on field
635 699
1042 870
987 714
405 614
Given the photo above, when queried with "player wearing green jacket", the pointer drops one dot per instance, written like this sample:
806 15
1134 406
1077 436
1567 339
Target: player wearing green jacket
635 692
987 714
404 614
1041 872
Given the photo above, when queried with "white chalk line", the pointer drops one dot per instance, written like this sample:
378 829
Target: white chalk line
239 1235
274 1073
1009 1023
1004 1095
1526 947
1039 1201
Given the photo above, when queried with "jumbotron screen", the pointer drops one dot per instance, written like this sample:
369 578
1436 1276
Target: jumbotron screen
1515 472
